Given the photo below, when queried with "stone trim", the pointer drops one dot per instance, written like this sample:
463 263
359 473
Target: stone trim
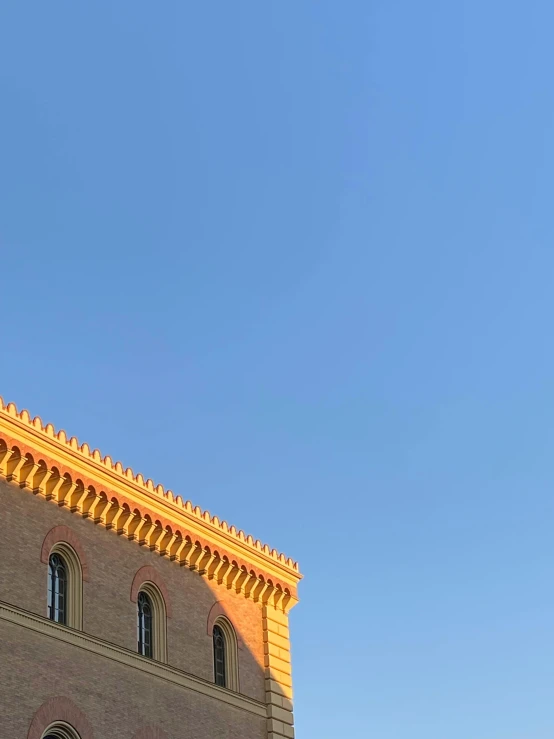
63 541
132 660
72 476
231 653
278 696
94 460
216 611
147 580
63 710
64 535
148 574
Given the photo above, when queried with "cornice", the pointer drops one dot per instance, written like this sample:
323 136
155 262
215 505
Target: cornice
81 640
60 469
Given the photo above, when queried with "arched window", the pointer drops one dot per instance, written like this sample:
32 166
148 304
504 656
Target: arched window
151 623
57 589
144 625
225 654
65 586
59 718
60 730
219 656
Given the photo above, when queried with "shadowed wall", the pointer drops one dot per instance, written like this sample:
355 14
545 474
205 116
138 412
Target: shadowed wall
117 699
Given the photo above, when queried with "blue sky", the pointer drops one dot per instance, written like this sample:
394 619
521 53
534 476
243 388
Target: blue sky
295 261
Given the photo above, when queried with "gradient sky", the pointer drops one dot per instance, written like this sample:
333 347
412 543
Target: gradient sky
294 260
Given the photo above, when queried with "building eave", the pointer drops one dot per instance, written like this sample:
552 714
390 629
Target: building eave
52 466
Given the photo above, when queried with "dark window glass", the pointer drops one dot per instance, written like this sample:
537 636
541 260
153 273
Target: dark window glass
145 645
219 656
57 589
59 734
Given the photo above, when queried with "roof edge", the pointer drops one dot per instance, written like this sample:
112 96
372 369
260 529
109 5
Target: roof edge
59 444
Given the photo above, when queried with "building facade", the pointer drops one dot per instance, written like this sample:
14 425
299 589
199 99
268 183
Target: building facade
125 612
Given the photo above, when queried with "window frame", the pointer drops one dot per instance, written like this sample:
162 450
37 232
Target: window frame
158 628
230 653
60 730
73 585
220 660
57 589
145 623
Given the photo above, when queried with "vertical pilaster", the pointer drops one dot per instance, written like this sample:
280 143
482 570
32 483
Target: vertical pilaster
278 674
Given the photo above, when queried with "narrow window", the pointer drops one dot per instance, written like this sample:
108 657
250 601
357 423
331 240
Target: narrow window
57 589
145 642
219 656
64 581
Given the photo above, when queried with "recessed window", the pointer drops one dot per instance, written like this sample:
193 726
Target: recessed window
144 625
57 589
219 657
65 587
225 654
151 622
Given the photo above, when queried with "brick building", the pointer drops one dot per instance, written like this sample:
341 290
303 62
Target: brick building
125 613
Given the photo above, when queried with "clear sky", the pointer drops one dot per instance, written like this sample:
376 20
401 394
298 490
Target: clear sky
294 260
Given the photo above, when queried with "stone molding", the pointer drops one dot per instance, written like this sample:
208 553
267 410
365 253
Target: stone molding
70 475
280 718
216 611
60 709
64 535
81 640
150 574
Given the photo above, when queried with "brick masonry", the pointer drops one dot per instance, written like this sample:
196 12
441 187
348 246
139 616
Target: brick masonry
117 700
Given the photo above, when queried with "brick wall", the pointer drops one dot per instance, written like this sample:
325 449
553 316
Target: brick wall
116 699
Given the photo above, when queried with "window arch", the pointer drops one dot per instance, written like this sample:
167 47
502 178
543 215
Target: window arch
65 586
57 589
60 730
151 623
144 624
60 718
224 640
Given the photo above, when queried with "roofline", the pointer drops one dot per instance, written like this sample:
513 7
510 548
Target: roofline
41 442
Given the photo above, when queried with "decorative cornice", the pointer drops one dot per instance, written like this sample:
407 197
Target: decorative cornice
52 466
81 640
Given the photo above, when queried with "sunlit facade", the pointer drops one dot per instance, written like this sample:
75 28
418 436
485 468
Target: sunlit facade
127 613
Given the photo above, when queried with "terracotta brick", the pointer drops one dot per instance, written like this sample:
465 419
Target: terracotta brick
59 709
117 700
